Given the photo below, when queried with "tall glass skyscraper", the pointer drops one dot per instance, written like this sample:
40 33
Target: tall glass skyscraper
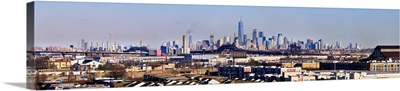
244 39
212 42
254 34
240 32
280 40
260 34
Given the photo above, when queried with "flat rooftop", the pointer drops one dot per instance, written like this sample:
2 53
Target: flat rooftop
368 72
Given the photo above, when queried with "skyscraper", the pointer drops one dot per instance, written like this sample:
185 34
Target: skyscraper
212 42
108 47
190 39
109 42
264 39
274 42
83 44
227 40
141 43
175 43
309 43
244 39
254 35
236 42
184 44
91 46
97 46
280 40
260 34
102 46
285 40
86 46
240 31
321 44
292 41
190 42
235 35
350 46
220 42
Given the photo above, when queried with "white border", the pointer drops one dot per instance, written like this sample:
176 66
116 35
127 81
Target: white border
371 4
13 42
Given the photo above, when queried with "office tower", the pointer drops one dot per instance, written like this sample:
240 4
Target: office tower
264 39
190 39
274 42
115 45
91 46
260 34
236 42
102 46
285 40
219 43
356 47
327 45
316 46
240 31
235 35
292 41
79 46
309 43
244 39
97 46
191 46
351 46
83 44
184 44
337 45
205 44
141 43
249 43
254 35
230 40
175 43
109 42
119 48
169 43
86 46
321 44
226 40
279 41
108 47
268 44
212 42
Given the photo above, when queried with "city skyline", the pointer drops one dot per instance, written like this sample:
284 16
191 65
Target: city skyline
131 23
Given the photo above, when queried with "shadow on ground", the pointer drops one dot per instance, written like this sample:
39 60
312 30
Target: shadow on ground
17 84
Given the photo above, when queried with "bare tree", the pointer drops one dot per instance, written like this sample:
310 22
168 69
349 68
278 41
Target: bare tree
42 63
39 79
116 71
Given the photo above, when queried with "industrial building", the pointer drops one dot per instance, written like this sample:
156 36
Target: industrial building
367 66
344 65
261 73
386 52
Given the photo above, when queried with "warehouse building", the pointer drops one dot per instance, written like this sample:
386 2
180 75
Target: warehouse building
385 53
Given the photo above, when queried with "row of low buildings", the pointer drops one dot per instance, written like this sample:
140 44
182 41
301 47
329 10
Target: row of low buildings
272 73
370 66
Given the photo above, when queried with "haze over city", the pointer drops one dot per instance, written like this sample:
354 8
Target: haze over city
66 23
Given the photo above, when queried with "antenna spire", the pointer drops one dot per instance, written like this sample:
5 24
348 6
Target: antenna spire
240 17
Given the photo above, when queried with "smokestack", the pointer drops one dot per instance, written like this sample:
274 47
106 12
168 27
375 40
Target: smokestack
184 44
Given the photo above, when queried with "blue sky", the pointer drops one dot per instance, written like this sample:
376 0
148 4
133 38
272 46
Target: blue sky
66 23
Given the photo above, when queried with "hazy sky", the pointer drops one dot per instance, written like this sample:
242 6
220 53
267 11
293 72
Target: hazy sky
66 23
